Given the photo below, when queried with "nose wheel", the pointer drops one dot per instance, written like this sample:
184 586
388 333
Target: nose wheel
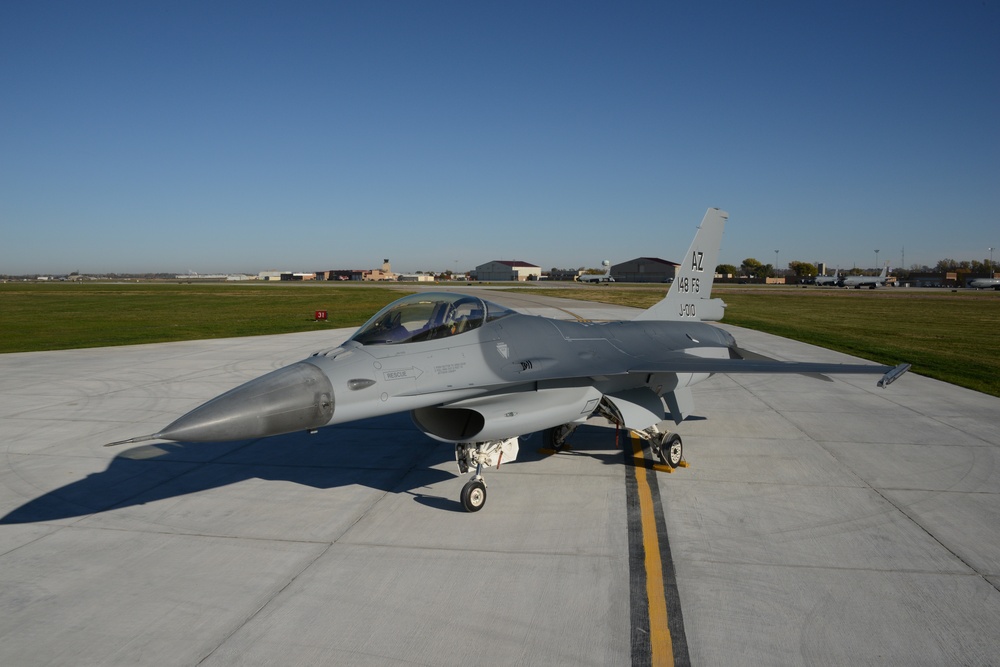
479 455
474 495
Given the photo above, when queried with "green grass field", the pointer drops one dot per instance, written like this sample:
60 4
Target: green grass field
947 335
58 316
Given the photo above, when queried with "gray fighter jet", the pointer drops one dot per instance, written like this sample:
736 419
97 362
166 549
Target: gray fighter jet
478 375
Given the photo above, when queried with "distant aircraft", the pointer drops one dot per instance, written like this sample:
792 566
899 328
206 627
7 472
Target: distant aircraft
871 282
598 278
478 375
828 280
985 283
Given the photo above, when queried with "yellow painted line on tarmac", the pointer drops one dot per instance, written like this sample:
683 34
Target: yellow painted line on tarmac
659 633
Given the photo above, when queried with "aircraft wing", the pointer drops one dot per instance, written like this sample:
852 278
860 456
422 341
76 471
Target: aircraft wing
691 364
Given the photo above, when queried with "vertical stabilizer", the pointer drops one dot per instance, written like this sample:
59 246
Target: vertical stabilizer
690 295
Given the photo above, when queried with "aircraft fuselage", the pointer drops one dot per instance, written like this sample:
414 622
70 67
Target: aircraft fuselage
515 353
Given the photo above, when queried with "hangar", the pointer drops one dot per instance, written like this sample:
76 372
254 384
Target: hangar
645 270
501 269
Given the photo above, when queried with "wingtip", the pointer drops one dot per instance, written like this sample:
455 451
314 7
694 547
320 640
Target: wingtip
893 375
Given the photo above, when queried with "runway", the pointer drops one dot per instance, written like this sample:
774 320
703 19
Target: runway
819 523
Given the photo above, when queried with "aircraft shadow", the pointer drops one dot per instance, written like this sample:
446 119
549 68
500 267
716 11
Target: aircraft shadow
387 454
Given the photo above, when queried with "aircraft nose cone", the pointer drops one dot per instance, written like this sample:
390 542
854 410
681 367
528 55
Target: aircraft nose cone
294 398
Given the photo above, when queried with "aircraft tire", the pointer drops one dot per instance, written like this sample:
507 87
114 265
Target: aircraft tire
474 496
672 450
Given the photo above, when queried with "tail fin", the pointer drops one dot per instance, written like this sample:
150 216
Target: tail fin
885 271
689 297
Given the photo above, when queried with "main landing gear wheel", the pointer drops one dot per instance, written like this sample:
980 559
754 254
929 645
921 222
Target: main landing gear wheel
671 450
474 495
555 438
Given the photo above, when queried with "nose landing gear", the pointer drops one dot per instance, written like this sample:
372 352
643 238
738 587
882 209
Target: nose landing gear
481 455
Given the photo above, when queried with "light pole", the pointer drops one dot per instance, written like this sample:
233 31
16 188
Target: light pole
990 269
776 262
876 261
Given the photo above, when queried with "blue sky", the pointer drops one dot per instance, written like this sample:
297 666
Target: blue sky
244 136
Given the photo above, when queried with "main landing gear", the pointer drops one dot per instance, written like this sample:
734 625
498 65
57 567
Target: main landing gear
668 447
480 455
555 438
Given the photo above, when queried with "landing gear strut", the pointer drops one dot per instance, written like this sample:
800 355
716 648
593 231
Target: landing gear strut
480 455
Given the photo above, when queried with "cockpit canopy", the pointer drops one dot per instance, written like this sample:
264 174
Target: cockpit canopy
427 316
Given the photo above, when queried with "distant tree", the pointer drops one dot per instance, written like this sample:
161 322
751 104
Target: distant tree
727 270
803 269
750 267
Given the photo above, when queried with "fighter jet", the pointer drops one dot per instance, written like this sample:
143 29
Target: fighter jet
871 282
479 376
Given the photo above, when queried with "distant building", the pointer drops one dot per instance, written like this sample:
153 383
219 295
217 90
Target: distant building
645 270
270 275
340 274
415 278
501 270
934 279
385 273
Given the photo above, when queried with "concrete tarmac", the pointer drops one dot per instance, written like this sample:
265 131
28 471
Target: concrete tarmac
819 523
